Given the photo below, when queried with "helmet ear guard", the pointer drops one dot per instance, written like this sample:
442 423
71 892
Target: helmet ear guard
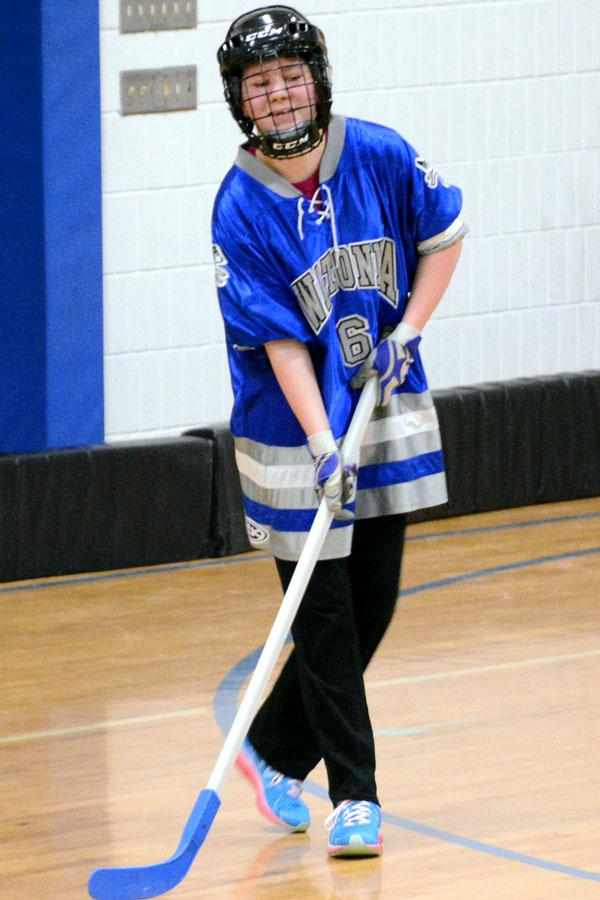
269 33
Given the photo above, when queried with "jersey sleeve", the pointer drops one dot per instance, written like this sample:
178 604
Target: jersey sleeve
256 303
435 206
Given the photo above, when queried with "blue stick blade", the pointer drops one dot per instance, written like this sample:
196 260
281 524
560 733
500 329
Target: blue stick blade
137 882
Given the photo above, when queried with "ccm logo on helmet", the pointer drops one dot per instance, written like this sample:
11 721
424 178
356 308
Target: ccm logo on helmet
288 145
268 30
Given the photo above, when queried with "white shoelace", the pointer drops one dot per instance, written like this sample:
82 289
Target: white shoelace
353 812
327 211
294 786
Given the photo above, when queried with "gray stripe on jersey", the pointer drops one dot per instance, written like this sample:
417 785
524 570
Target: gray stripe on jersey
271 455
279 498
446 239
412 415
262 173
405 497
289 544
336 135
399 450
402 403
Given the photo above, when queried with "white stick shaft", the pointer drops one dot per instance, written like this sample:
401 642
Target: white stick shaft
290 603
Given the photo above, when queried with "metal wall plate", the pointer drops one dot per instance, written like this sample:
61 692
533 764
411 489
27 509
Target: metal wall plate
156 15
158 90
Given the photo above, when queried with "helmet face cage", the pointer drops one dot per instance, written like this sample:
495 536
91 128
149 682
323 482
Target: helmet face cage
288 58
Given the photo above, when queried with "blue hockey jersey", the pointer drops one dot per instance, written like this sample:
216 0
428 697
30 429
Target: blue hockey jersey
334 273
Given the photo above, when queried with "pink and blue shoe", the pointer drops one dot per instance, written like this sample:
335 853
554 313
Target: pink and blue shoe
355 829
277 796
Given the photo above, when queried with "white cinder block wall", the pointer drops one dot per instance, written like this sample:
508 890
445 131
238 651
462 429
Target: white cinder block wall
502 95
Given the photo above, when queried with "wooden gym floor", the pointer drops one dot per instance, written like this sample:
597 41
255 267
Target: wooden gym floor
485 697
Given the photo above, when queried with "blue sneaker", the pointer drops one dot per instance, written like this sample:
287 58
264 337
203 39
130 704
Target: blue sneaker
277 796
355 829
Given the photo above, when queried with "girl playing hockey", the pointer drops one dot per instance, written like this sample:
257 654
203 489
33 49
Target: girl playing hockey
334 241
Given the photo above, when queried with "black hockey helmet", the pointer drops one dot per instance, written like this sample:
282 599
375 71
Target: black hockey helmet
265 34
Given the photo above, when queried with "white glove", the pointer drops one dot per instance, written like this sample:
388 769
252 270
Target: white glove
333 480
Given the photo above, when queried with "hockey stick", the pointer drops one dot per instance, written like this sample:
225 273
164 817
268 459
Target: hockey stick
134 883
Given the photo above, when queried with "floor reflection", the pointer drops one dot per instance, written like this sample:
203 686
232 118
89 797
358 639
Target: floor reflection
281 868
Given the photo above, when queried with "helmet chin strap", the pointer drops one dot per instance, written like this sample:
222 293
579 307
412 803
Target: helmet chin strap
296 141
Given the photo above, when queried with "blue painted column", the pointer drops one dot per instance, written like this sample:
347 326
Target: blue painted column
51 352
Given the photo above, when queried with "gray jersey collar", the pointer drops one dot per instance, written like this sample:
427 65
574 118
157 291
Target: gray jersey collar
331 157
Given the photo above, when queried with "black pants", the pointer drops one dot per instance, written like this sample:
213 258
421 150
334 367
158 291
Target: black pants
317 708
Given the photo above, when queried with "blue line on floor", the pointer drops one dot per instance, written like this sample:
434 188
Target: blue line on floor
470 844
496 570
252 557
482 529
